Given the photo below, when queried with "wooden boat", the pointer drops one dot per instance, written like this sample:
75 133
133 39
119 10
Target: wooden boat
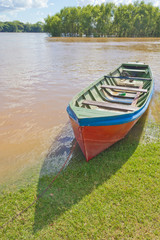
105 111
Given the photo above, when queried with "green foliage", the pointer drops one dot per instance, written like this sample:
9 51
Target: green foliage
17 26
128 20
54 25
89 20
138 20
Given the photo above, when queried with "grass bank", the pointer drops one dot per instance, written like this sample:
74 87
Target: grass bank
113 196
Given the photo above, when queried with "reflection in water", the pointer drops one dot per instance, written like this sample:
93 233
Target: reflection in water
58 152
152 126
39 77
155 108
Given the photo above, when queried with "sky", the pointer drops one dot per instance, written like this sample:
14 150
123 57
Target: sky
33 11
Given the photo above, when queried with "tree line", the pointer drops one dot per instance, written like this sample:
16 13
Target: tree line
17 26
126 20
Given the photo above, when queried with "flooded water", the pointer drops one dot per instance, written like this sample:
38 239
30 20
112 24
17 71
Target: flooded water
38 77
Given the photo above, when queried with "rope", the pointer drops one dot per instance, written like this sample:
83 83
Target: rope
43 192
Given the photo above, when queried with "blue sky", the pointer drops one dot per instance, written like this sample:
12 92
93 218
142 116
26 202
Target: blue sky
36 10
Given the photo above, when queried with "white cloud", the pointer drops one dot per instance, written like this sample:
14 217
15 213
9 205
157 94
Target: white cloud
4 18
91 2
22 4
95 2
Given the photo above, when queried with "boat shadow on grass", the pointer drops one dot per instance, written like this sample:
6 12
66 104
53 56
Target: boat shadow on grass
79 178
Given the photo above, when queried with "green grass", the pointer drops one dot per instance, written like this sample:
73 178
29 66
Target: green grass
113 196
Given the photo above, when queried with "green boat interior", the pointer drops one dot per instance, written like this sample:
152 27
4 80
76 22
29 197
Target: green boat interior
124 90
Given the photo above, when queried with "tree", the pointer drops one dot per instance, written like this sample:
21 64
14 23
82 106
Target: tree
123 20
145 19
157 26
27 27
37 27
104 19
17 26
9 27
53 25
86 20
1 26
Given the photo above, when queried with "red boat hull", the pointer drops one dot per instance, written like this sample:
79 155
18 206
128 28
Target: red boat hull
95 139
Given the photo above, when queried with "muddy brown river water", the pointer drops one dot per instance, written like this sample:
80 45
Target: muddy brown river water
38 77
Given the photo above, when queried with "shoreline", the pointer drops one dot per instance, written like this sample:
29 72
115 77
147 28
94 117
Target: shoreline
100 39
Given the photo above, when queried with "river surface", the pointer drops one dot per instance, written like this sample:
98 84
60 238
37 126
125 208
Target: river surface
38 77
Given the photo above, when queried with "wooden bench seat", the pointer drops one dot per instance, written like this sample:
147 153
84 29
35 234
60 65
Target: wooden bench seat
111 106
130 78
134 70
124 88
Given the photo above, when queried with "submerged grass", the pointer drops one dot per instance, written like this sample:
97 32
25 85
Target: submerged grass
113 196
